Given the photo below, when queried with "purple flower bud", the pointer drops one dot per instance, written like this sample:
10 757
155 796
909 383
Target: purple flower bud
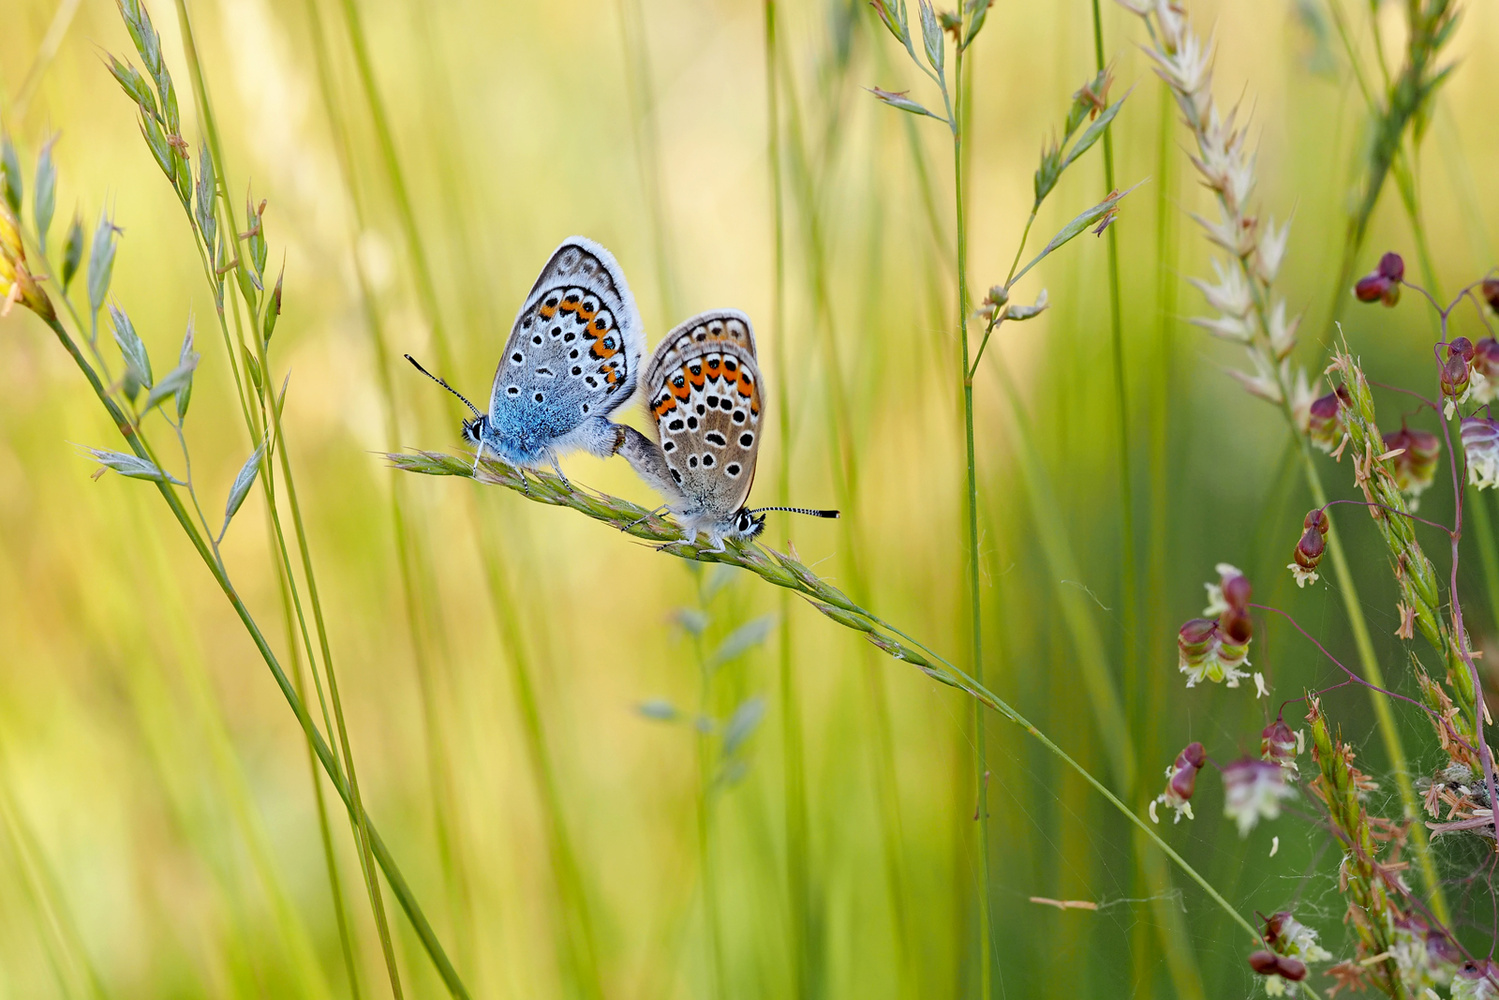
1371 288
1235 627
1236 591
1278 744
1461 347
1193 754
1317 518
1290 968
1486 357
1491 293
1206 652
1454 377
1391 266
1310 549
1181 781
1264 962
1326 427
1416 466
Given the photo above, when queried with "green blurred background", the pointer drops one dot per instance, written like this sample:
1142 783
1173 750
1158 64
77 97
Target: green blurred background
160 835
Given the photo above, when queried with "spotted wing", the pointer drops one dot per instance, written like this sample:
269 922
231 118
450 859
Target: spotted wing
684 339
576 347
707 413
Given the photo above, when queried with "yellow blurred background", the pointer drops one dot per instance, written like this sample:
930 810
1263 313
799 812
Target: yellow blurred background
160 835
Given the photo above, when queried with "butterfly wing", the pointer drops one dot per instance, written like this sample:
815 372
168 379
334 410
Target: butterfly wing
716 324
707 413
573 354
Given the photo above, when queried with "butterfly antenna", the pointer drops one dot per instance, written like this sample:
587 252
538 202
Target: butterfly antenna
797 510
415 364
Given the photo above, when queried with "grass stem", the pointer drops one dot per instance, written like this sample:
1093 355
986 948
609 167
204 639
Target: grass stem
793 761
975 594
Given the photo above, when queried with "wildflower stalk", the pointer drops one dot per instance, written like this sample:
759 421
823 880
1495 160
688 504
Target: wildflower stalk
1415 575
793 761
780 570
1370 907
1253 316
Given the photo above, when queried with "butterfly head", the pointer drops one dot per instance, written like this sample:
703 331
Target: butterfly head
473 430
748 524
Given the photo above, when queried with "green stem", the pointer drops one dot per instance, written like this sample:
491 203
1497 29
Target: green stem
705 784
1121 406
975 594
427 637
272 415
793 761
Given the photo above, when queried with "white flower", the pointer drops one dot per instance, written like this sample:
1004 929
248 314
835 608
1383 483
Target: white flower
1230 293
1272 250
1234 328
1302 396
1253 790
1282 332
1260 690
1303 576
1481 449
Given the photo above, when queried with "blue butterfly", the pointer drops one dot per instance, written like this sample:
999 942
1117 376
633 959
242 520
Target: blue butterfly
572 359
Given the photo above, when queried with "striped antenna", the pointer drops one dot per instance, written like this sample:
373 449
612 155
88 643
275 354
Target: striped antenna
796 510
440 382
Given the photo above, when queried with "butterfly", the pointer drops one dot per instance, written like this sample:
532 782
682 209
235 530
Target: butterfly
703 393
572 359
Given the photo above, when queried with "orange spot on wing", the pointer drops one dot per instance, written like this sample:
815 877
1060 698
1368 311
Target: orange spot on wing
546 311
695 375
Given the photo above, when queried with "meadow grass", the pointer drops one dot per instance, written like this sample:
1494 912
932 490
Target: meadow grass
557 727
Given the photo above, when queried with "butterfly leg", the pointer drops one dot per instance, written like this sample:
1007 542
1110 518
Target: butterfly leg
644 518
560 474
